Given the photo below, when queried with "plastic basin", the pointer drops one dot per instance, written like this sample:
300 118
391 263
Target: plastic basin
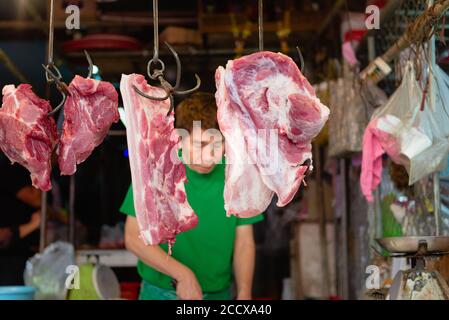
16 293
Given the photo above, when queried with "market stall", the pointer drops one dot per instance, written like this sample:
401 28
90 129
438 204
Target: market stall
266 150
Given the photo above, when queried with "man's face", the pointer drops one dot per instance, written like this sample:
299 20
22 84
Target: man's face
203 149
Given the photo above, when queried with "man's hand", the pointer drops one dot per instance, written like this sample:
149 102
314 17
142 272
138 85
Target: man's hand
5 237
31 226
244 296
187 287
244 260
35 221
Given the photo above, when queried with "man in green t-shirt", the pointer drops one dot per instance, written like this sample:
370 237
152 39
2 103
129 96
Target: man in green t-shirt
207 258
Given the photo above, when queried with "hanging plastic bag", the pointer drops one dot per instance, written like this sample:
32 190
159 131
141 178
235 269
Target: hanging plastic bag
47 272
410 136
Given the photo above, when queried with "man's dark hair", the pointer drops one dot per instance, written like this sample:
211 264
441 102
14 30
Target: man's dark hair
200 106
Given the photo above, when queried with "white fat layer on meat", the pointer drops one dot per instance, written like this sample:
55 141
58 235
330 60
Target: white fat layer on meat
277 172
181 212
127 102
8 89
242 178
125 89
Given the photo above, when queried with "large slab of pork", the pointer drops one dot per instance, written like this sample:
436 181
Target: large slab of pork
89 112
158 175
27 134
268 113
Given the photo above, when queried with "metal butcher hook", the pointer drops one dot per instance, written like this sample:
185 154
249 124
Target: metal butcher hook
56 77
158 74
301 59
60 85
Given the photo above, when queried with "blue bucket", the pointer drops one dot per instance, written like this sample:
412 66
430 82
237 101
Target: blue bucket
16 293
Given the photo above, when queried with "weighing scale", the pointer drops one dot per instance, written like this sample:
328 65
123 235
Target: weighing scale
417 283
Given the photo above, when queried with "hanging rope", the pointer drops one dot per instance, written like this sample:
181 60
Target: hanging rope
425 25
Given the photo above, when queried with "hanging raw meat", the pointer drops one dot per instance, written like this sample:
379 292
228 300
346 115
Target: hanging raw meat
158 176
268 113
89 112
27 134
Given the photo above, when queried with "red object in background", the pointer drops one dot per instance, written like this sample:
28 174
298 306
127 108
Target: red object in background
130 290
354 35
379 3
102 42
444 58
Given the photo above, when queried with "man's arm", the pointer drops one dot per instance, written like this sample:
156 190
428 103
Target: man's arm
244 261
187 287
30 195
10 235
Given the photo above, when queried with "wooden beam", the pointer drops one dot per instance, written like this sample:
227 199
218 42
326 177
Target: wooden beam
330 16
408 37
221 23
12 67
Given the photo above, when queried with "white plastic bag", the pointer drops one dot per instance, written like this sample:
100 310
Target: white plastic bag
47 272
419 139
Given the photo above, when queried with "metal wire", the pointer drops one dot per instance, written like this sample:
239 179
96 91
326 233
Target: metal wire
156 30
260 25
51 34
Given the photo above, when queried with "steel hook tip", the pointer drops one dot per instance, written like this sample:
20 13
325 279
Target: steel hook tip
197 86
178 66
91 64
59 106
167 95
143 94
301 59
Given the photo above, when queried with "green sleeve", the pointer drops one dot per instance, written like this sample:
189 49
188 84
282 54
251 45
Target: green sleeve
252 220
127 206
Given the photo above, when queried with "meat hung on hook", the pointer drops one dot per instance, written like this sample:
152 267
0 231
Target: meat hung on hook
54 76
90 108
27 135
268 113
158 176
89 111
158 74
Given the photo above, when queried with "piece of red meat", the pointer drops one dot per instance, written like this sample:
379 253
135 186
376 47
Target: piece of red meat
158 176
27 134
89 112
268 113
